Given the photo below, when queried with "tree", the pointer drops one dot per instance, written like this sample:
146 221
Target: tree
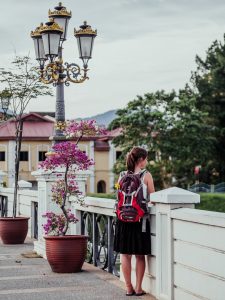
171 127
209 83
22 82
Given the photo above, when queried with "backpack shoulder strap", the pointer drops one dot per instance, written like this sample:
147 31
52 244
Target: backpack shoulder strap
123 173
142 174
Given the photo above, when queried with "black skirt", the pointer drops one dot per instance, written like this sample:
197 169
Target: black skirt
129 238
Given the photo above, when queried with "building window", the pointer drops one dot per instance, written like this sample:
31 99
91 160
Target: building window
118 154
23 155
2 155
41 155
101 187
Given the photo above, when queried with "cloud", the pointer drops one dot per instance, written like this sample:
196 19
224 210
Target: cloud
142 45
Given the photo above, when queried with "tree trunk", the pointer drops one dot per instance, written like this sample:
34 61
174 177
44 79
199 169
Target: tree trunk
19 133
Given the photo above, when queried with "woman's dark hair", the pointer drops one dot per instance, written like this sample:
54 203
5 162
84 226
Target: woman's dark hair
134 156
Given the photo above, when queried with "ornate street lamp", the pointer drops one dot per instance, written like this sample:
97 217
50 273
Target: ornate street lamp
39 46
51 33
61 16
48 40
5 96
85 40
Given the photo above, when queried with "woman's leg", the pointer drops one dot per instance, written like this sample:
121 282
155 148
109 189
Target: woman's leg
140 271
126 268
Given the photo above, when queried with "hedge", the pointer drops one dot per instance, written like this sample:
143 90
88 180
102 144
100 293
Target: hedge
213 202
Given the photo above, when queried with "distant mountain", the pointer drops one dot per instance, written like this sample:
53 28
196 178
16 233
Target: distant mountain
105 118
102 119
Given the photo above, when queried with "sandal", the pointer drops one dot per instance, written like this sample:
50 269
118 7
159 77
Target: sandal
140 294
131 294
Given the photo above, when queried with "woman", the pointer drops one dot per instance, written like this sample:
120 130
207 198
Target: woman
129 238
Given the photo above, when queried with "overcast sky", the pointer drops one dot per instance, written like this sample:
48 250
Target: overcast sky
142 46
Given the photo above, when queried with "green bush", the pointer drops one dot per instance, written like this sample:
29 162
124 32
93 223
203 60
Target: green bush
213 202
102 195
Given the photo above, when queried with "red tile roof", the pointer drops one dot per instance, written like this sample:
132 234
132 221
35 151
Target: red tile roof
37 127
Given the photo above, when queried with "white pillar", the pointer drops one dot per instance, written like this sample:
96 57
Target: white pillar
11 163
45 180
92 168
167 200
112 159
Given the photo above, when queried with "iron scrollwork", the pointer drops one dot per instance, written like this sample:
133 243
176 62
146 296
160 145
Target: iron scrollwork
57 72
100 229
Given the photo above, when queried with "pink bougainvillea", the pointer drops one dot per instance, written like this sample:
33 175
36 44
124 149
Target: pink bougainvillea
68 156
83 128
59 190
56 223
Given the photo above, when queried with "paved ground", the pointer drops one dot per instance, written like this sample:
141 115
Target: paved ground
32 279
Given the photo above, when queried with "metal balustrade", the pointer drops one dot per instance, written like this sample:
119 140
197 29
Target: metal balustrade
100 229
206 188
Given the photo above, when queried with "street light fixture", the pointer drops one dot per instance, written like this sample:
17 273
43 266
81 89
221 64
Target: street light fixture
5 96
61 16
51 33
48 40
85 40
39 46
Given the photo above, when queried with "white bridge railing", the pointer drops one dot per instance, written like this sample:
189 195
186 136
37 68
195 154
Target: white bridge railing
188 245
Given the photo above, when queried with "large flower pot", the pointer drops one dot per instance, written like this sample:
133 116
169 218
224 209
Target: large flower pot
66 254
13 230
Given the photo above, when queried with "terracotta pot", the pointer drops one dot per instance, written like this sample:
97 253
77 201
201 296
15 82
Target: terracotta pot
13 230
66 254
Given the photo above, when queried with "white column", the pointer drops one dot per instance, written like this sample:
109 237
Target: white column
11 163
167 200
112 159
92 168
45 181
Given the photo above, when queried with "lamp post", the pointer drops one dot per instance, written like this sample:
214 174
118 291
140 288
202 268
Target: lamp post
48 40
5 97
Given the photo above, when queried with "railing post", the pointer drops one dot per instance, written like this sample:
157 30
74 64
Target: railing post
4 206
110 257
95 239
165 201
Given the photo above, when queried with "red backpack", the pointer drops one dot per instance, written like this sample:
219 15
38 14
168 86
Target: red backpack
131 205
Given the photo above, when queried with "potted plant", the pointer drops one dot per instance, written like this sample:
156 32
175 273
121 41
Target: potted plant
66 253
21 85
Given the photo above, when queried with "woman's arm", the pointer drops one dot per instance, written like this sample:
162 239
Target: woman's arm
148 180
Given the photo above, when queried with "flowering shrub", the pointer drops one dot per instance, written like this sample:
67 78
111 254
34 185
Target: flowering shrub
67 155
59 190
83 128
55 223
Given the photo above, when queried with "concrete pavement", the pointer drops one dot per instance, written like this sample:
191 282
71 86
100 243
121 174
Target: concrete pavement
32 279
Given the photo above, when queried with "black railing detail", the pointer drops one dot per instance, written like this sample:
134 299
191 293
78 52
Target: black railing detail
206 188
100 229
4 206
35 220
